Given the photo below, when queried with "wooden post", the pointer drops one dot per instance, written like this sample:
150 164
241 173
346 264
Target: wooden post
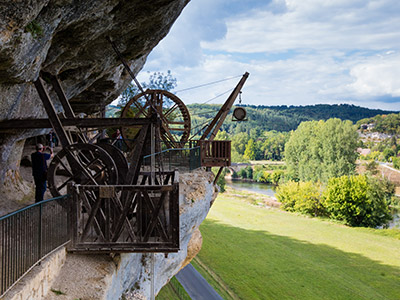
51 112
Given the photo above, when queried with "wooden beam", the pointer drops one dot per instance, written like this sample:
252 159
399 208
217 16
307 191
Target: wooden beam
69 113
81 123
52 114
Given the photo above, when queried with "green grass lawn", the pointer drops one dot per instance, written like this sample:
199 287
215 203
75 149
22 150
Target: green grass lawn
262 253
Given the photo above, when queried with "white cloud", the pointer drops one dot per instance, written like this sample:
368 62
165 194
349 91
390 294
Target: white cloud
317 25
379 76
298 52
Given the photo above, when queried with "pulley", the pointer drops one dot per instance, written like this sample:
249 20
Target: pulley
239 113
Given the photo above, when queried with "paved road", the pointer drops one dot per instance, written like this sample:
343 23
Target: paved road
195 285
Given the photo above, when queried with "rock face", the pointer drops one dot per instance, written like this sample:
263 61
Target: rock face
68 38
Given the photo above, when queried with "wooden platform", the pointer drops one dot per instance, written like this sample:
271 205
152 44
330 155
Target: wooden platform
122 218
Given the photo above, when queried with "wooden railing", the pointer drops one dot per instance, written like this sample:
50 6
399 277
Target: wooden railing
135 218
215 153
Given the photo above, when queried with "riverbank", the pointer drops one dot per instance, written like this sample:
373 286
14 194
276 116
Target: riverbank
271 254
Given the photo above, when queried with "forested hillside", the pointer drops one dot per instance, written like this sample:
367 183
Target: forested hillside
280 118
388 123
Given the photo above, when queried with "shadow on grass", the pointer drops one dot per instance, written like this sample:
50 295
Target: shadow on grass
260 265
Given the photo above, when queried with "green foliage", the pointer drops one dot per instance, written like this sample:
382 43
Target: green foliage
239 142
236 157
396 162
374 155
357 200
371 167
57 292
249 172
388 153
262 174
384 123
221 179
279 118
303 197
235 175
276 176
250 151
317 151
34 28
173 290
269 126
222 136
157 81
242 173
273 146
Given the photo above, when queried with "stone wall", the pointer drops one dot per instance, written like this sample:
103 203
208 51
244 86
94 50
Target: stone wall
36 284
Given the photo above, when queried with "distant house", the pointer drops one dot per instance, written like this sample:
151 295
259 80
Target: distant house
364 152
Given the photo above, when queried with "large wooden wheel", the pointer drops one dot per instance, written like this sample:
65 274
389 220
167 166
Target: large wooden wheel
120 160
84 164
174 115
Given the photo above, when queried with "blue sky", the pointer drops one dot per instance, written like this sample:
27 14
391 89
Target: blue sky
298 52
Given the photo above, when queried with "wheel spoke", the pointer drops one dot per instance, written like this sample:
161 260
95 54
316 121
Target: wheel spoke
171 110
65 168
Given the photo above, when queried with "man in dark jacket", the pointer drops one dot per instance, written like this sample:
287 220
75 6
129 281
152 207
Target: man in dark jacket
39 170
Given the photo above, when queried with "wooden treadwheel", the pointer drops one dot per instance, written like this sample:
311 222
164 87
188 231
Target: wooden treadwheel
174 115
84 164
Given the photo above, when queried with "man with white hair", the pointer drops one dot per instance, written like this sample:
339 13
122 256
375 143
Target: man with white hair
39 170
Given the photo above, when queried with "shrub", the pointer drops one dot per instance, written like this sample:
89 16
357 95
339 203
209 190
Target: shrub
287 194
388 153
303 197
265 177
396 162
276 176
242 173
221 179
357 200
249 172
35 29
371 167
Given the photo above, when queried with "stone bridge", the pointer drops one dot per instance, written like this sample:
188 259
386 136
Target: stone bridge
237 167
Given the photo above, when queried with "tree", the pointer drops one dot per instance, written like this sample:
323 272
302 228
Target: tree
239 142
250 151
157 81
321 150
388 153
358 200
396 162
222 135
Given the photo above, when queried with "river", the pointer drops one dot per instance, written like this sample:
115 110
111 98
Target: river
261 188
269 190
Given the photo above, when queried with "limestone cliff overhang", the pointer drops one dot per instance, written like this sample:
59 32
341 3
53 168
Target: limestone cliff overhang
68 38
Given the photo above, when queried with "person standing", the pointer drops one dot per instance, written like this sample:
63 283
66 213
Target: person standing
117 139
39 170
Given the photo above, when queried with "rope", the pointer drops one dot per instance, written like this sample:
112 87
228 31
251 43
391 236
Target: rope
218 96
204 113
206 84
